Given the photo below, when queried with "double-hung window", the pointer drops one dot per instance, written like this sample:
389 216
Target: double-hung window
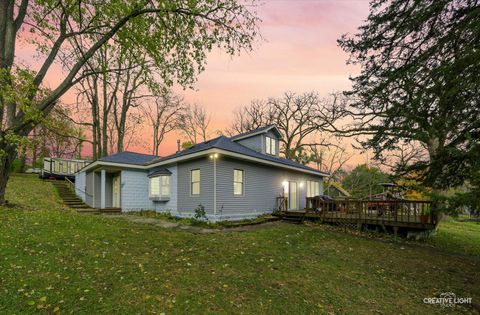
238 181
160 187
271 146
195 182
313 188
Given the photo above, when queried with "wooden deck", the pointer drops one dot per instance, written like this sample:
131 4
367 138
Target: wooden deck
403 214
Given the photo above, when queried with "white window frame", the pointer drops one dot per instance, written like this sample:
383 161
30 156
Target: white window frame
192 182
236 182
159 194
270 146
313 188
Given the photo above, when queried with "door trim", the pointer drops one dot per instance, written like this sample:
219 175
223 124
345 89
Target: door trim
119 192
290 195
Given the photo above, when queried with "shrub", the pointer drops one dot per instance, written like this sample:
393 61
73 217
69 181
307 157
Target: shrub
200 213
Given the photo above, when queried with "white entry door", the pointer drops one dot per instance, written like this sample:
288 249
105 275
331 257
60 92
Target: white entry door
292 196
116 192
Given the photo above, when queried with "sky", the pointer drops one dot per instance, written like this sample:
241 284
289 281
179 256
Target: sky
298 53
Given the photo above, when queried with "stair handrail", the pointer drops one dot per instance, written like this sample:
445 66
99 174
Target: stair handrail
70 184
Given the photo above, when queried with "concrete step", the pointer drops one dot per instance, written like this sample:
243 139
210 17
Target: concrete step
75 204
89 210
110 210
71 200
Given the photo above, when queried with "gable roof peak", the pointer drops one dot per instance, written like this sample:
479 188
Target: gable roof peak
257 131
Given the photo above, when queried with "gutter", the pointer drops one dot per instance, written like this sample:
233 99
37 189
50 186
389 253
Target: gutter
202 153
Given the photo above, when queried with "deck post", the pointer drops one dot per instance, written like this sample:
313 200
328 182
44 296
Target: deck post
360 226
395 231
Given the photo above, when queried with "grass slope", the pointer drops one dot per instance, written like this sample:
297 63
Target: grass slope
53 260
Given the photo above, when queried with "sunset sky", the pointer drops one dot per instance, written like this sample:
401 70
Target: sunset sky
299 53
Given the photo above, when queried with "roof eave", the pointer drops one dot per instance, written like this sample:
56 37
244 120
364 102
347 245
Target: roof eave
258 133
105 163
237 155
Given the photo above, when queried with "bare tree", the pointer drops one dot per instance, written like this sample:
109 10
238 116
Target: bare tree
299 118
112 96
330 156
163 115
251 117
194 122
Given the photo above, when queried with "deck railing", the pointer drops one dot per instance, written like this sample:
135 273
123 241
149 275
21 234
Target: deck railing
60 166
407 211
282 204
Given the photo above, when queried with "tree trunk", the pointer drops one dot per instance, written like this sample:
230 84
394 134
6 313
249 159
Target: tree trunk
155 139
434 146
23 160
5 168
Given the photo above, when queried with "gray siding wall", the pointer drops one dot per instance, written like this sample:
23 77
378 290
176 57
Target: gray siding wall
256 143
89 190
108 190
81 185
135 192
97 191
263 184
186 202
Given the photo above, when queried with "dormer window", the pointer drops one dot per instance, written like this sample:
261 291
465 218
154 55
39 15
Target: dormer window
271 146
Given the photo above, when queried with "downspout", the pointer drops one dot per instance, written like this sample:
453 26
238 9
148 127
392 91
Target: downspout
214 185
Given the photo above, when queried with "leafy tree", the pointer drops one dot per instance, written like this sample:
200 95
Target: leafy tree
364 181
420 84
174 34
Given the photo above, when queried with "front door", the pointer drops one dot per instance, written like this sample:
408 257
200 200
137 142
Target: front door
292 196
116 192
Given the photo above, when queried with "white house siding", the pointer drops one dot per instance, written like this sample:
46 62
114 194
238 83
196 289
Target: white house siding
81 185
135 192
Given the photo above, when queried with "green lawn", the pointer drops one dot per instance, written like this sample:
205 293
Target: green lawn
53 260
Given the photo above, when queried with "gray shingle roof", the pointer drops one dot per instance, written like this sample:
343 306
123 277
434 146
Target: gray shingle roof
253 132
222 142
128 157
160 171
227 144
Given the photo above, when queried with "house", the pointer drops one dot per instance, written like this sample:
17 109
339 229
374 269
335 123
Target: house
231 177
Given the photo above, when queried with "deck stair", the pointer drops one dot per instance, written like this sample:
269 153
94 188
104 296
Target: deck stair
296 219
72 201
